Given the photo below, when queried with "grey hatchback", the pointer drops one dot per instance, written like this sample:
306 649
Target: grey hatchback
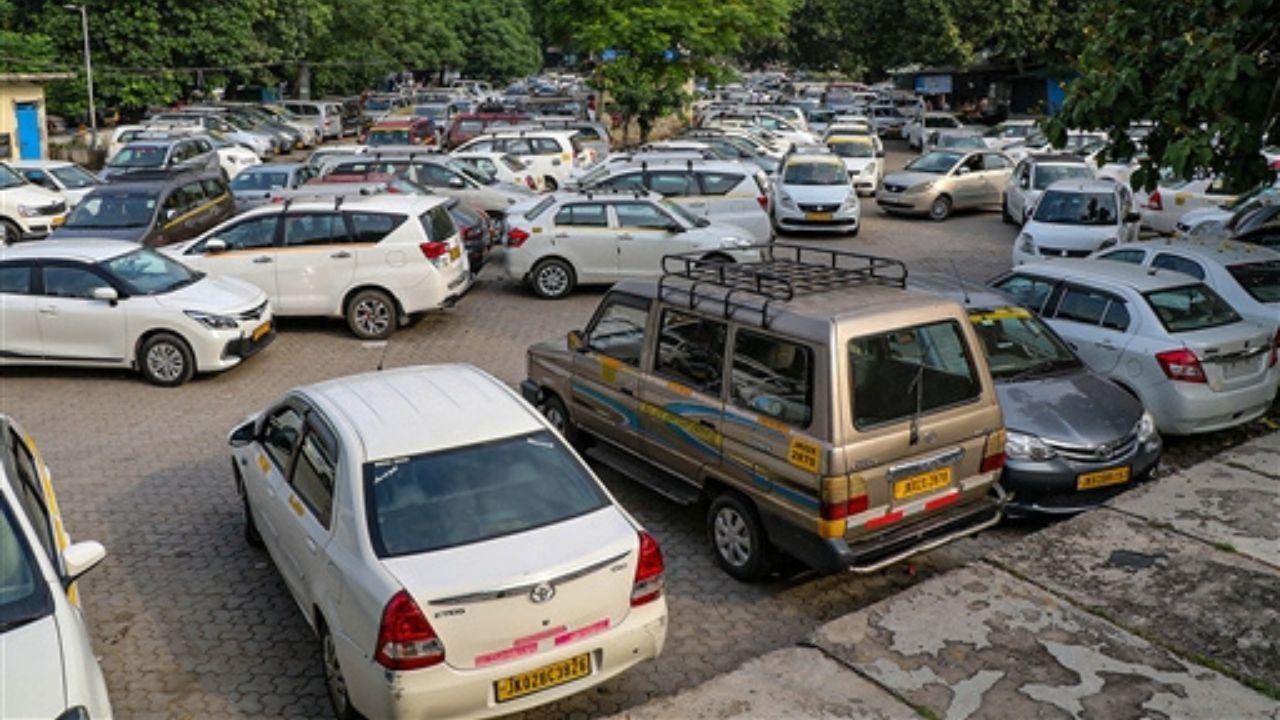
1075 439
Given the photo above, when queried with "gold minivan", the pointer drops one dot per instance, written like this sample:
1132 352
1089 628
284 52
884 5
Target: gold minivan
819 407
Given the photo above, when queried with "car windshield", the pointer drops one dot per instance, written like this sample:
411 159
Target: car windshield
1018 344
139 156
9 178
389 137
1077 208
686 218
23 595
914 370
74 177
260 180
146 272
113 210
814 173
960 141
474 174
475 493
513 163
1047 175
938 163
1261 279
1190 307
374 104
853 148
434 112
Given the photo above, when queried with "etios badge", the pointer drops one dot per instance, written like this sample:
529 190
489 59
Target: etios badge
541 593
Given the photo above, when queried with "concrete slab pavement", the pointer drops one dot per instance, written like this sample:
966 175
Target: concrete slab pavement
1261 455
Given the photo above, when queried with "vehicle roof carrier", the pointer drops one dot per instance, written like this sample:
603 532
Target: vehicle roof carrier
785 272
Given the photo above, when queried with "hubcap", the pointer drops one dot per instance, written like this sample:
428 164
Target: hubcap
165 362
733 540
939 208
333 676
373 317
553 280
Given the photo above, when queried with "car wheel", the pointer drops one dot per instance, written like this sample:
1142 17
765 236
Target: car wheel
737 538
1005 216
251 534
940 209
371 315
557 414
716 258
552 279
12 233
334 680
549 184
166 360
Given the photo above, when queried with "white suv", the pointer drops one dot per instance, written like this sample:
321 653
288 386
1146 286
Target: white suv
452 553
374 261
550 155
27 211
114 304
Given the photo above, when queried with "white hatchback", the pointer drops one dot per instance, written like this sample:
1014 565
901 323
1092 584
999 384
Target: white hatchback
455 557
1074 218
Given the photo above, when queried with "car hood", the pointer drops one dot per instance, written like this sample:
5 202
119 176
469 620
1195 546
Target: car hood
818 194
1076 408
1070 237
215 294
135 234
31 656
75 196
908 179
1205 214
856 164
30 195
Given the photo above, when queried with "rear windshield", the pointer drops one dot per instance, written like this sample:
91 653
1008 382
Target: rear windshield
1260 280
916 370
1191 307
540 208
475 493
1047 175
140 156
437 223
260 180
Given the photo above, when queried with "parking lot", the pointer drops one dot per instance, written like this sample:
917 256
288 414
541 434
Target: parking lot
191 622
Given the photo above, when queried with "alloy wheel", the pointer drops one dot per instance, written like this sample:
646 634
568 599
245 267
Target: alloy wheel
373 317
553 280
165 362
733 539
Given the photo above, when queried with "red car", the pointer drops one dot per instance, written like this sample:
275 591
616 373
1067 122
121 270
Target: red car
468 125
409 131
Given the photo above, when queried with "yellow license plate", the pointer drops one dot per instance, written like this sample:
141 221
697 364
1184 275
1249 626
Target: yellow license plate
455 252
261 330
817 216
922 483
58 220
1102 478
547 676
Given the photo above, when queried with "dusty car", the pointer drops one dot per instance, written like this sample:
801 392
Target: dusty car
938 182
821 408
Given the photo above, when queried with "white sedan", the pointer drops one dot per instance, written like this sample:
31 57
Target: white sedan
1173 198
453 555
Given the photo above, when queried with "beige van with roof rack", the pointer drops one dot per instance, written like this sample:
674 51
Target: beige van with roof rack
818 406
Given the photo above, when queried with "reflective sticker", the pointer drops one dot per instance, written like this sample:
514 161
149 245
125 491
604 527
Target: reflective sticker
772 424
804 454
264 463
609 369
679 389
297 506
697 430
1007 313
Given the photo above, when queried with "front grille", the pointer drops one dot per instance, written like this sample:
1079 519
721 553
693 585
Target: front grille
890 187
819 208
252 313
56 208
1104 452
1063 252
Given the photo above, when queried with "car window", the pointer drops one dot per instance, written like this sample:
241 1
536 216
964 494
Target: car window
1030 292
925 367
1125 256
315 471
583 215
718 183
31 497
641 215
1166 261
517 147
1082 305
71 282
619 329
631 181
546 146
314 229
1260 279
691 350
39 178
373 227
23 593
438 224
773 377
1191 307
995 162
1117 316
256 232
280 435
213 188
673 183
434 175
15 279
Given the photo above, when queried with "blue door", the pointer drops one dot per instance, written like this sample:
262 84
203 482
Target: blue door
28 131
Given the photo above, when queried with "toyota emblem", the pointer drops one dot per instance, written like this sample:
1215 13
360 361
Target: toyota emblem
541 593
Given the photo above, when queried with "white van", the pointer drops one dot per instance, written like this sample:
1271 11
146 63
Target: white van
551 155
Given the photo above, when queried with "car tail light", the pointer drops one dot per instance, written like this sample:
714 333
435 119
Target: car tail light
764 202
434 250
649 569
1275 350
406 640
471 233
1154 202
516 237
528 180
1181 365
845 508
993 456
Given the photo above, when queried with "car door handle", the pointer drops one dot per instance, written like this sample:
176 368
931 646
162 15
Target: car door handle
262 259
312 547
626 236
706 423
1072 345
340 255
561 236
1106 344
48 310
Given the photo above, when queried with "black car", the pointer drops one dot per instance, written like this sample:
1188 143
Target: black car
156 208
148 154
478 231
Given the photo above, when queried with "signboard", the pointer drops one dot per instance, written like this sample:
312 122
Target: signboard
933 84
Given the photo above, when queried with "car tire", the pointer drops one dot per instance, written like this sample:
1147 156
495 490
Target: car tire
549 184
1005 216
251 534
335 681
12 233
553 409
716 258
552 279
166 360
737 537
940 208
372 315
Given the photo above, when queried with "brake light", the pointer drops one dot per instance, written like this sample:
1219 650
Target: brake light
471 233
433 250
406 640
516 237
528 180
993 456
764 202
842 510
649 569
1154 201
1181 365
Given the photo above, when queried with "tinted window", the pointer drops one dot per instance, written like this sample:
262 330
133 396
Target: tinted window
641 215
996 162
773 377
1126 256
672 183
372 227
260 180
619 330
633 181
691 351
1116 317
894 373
469 494
1019 344
314 473
31 498
1082 305
1165 261
23 594
15 279
258 232
435 175
108 211
583 214
314 229
1261 280
70 282
213 188
719 183
437 223
1192 307
1030 292
545 146
280 434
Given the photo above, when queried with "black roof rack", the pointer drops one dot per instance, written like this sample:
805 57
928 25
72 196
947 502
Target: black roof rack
784 272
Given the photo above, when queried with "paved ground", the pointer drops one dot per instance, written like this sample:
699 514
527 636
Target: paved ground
191 623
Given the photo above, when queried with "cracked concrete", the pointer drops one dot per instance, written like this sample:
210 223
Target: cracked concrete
1261 455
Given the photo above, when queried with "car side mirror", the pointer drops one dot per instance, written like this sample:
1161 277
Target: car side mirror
106 294
456 183
675 228
170 214
215 246
576 341
880 153
1133 217
242 435
79 559
964 170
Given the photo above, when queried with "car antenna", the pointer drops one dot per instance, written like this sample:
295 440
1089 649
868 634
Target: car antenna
959 280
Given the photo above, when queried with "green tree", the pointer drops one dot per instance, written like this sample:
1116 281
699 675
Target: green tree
496 37
1205 72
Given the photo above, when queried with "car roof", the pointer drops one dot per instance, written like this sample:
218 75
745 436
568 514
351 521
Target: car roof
38 163
421 409
661 162
973 296
1082 185
275 166
387 201
1137 277
88 250
1224 252
817 158
1055 159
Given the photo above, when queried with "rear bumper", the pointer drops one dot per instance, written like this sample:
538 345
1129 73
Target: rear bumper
1189 409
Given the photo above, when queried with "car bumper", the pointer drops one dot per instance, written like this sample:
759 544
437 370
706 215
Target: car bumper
1051 487
217 350
443 691
437 291
38 228
904 202
793 220
1193 408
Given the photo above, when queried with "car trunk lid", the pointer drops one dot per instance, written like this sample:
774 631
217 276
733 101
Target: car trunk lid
1232 356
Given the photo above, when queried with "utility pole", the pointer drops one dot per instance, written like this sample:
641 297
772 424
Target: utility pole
88 73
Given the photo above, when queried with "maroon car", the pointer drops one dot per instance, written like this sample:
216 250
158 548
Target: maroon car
468 125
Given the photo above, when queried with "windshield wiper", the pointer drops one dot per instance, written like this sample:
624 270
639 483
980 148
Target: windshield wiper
1041 367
